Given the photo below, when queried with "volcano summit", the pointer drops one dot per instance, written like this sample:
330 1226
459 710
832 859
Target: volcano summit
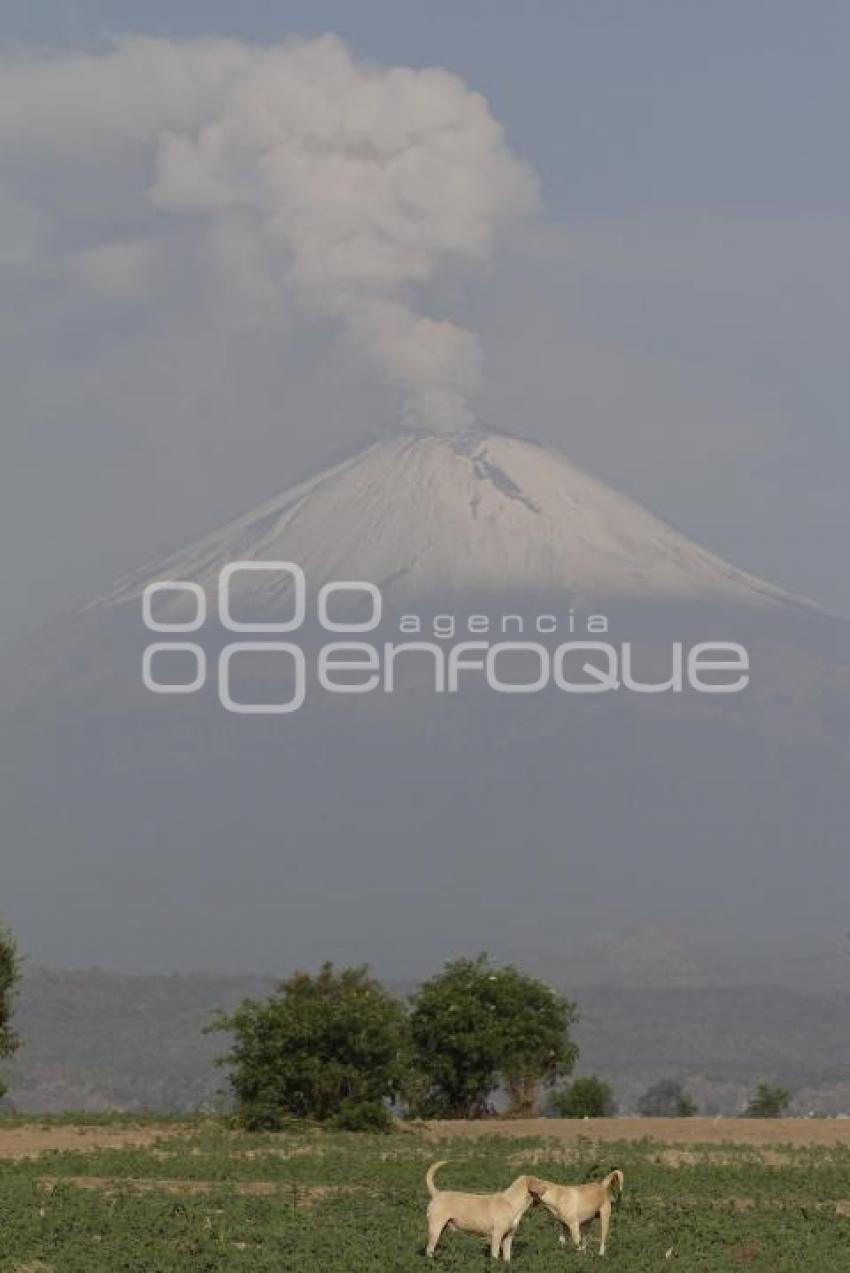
424 515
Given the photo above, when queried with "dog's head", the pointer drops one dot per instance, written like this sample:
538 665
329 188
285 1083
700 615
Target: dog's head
536 1187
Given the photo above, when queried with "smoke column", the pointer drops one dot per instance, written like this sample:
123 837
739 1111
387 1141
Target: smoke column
360 182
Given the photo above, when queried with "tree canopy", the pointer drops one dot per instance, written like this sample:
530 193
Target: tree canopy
475 1026
768 1101
327 1047
666 1099
9 974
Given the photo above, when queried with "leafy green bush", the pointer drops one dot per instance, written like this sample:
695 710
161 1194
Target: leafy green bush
363 1116
318 1046
588 1097
768 1101
666 1099
9 974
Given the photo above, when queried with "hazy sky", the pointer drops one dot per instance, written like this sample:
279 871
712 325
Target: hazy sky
620 228
674 314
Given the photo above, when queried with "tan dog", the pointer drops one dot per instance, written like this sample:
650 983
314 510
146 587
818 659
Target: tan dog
493 1216
577 1206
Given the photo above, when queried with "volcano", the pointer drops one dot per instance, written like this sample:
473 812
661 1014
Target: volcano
404 828
425 515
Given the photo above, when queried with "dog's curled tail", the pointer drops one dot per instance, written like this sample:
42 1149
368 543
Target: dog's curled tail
614 1177
431 1173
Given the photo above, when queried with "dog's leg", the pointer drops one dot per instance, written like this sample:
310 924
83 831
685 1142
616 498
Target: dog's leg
562 1236
604 1221
507 1243
575 1233
496 1244
435 1231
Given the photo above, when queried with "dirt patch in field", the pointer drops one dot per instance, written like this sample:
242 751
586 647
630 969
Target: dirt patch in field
31 1141
746 1254
721 1156
671 1131
302 1196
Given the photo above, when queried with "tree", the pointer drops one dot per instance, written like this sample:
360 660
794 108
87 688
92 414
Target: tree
330 1046
666 1099
585 1098
475 1026
768 1102
10 970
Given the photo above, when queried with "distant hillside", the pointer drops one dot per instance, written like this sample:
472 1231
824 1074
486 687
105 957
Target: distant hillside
96 1040
722 1040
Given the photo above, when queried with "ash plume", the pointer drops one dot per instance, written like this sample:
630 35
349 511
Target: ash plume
323 189
360 182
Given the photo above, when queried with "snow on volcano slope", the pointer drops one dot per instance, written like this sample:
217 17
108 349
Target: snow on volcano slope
425 515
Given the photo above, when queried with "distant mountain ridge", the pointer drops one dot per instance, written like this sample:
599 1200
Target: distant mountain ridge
96 1040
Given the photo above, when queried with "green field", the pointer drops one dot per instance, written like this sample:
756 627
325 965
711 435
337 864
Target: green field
204 1198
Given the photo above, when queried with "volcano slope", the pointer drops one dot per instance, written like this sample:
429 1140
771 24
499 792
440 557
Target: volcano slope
401 827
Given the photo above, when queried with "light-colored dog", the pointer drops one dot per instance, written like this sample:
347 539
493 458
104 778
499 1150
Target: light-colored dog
493 1216
577 1206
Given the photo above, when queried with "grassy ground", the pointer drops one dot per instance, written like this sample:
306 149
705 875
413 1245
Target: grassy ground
202 1198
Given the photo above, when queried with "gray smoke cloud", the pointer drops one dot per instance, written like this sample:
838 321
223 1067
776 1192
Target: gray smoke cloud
368 179
334 189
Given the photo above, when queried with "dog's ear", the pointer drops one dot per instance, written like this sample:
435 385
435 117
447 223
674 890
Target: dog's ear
534 1186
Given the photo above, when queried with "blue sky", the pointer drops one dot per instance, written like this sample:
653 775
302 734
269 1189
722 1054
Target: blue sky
675 318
